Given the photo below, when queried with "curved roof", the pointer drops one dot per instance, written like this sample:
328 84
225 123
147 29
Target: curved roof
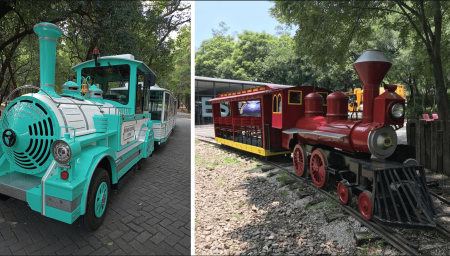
126 57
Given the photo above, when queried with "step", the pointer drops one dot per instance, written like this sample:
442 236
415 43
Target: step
17 184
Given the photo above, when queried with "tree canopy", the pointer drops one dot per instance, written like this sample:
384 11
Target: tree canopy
330 36
145 29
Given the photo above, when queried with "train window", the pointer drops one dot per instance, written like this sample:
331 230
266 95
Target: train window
295 97
166 106
279 103
275 104
250 108
112 80
156 104
141 96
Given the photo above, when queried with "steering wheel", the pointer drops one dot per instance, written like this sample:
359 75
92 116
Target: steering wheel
9 138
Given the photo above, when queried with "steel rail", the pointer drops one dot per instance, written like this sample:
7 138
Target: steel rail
394 239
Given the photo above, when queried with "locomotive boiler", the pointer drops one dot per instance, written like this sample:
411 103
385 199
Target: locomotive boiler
363 156
64 153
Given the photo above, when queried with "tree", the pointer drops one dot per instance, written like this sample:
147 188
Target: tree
143 29
327 29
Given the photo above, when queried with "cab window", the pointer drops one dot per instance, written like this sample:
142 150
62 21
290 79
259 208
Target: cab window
112 80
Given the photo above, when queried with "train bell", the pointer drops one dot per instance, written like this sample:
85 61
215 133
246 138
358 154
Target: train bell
85 88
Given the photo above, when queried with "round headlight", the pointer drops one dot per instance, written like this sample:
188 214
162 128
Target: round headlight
61 152
397 111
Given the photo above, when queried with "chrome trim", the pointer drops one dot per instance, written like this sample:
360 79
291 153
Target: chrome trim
44 178
64 118
49 25
128 149
65 166
47 84
62 204
128 160
48 38
89 182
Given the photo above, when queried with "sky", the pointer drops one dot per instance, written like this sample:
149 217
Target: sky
238 16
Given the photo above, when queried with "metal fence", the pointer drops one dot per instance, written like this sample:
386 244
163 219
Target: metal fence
432 142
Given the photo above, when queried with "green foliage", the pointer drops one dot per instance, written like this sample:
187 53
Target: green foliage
144 29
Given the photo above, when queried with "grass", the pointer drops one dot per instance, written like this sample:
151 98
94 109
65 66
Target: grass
231 160
282 178
219 184
285 193
237 216
326 204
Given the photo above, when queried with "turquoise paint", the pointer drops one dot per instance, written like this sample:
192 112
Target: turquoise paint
47 55
74 94
101 200
34 198
20 114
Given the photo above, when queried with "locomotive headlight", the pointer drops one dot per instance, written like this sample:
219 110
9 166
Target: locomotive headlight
61 152
397 111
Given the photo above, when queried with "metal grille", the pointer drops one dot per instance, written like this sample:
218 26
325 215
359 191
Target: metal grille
41 134
402 198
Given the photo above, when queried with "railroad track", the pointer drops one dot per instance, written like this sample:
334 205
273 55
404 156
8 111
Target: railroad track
384 232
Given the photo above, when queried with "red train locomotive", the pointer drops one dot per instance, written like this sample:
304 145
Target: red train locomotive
313 124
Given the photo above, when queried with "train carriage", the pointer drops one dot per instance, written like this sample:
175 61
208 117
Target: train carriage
163 107
255 121
362 155
63 153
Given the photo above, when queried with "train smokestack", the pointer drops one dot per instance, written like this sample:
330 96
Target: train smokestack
371 67
48 35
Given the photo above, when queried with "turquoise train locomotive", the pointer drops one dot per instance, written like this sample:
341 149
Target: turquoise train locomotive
313 125
64 153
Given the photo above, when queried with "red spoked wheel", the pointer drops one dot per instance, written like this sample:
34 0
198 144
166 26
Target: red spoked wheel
317 168
300 160
344 192
365 204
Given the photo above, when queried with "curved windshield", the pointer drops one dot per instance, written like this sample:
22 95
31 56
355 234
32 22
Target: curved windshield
112 80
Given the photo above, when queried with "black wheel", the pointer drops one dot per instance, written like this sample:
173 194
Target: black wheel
142 163
97 200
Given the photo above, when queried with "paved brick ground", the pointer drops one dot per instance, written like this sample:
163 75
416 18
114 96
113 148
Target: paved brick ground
150 215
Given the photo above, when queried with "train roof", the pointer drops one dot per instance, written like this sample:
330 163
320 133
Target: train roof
126 57
248 94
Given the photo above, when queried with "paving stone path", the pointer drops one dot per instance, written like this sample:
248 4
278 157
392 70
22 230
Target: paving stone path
150 215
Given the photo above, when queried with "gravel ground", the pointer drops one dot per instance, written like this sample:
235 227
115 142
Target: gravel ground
244 207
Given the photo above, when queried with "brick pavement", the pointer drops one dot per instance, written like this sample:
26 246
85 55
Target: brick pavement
150 214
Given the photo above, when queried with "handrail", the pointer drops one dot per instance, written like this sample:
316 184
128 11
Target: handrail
25 87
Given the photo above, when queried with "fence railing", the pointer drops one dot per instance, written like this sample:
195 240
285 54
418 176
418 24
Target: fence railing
432 142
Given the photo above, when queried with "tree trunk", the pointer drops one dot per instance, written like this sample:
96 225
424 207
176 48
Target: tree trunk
442 98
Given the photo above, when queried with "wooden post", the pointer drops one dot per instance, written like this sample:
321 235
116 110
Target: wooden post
433 141
417 142
427 137
446 147
439 150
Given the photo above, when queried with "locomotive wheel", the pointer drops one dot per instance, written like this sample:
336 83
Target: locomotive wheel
317 168
365 204
344 192
97 200
300 160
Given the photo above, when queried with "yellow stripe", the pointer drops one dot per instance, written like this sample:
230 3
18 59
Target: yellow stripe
250 148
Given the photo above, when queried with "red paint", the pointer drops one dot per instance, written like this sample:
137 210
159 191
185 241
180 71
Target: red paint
371 73
337 103
64 175
313 105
